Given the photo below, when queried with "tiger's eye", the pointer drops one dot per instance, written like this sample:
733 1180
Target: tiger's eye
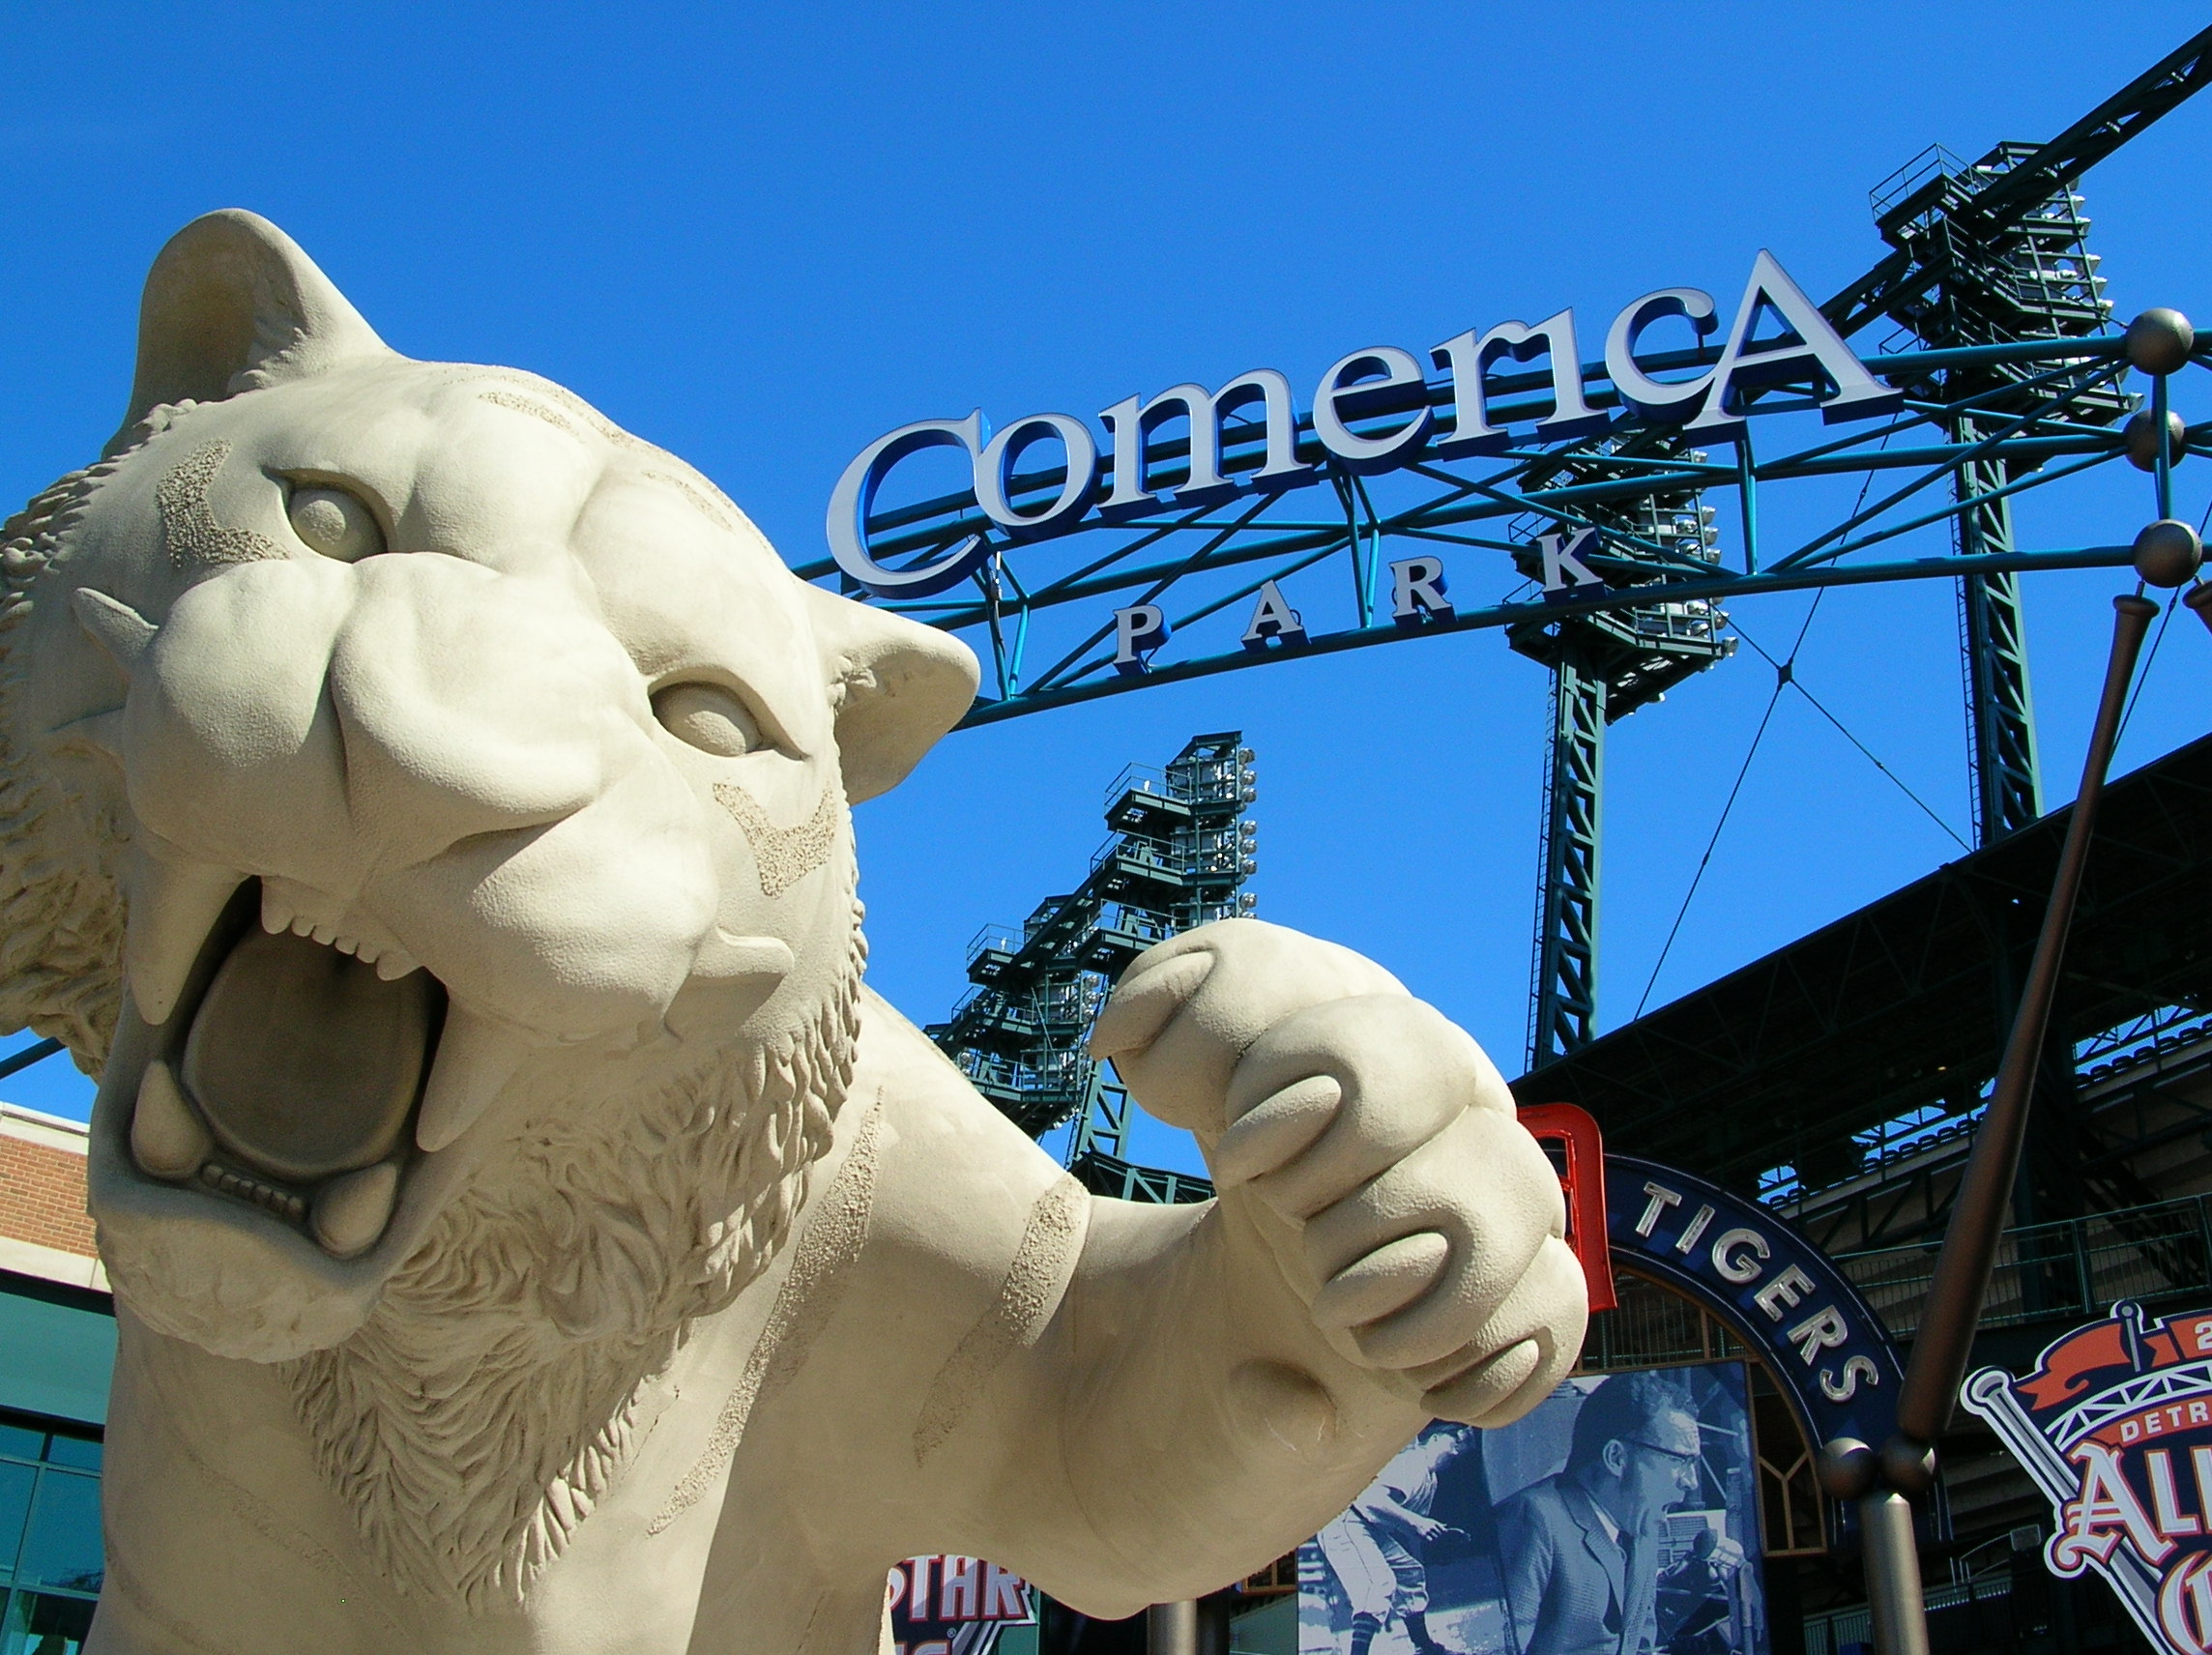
336 523
707 716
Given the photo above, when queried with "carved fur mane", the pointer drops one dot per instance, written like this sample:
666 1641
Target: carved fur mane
492 1399
61 906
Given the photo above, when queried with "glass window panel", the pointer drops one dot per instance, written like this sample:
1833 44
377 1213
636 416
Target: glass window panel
40 1624
17 1444
76 1358
81 1452
62 1548
15 1506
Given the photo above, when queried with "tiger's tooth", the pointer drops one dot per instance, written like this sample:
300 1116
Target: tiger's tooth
114 626
167 1137
173 906
351 1211
394 964
277 918
347 945
476 1059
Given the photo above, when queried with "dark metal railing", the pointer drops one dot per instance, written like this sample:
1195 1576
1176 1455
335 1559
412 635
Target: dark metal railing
2076 1266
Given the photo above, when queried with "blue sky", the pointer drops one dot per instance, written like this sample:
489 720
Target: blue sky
763 237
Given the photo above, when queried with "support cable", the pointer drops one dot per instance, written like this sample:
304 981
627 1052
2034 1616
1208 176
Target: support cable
1821 708
1711 843
1782 676
1788 672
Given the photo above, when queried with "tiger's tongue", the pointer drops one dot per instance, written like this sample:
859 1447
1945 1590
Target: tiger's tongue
304 1061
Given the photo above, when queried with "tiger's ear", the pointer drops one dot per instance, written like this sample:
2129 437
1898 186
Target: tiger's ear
232 304
899 686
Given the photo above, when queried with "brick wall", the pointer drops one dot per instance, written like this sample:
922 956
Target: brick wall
42 1195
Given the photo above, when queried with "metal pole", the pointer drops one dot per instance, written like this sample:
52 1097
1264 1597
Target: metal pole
1947 1331
1747 497
1944 1338
37 1051
2162 463
1893 1574
1172 1628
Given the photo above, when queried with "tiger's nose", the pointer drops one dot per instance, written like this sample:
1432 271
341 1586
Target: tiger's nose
470 702
464 757
301 717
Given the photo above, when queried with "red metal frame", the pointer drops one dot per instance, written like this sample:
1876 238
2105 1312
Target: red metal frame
1583 1178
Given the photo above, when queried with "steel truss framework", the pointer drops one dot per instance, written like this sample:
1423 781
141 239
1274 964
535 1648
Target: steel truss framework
1563 1012
2060 423
1181 849
1237 552
2134 1092
1977 248
2012 382
1772 1078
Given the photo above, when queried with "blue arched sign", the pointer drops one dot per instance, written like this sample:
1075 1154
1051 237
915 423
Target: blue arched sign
1828 1353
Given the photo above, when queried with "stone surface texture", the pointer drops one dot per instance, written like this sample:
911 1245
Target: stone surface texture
427 805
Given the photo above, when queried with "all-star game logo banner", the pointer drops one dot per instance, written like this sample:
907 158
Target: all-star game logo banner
2114 1424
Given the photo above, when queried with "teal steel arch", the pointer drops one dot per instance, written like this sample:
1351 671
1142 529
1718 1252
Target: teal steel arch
1052 601
2011 379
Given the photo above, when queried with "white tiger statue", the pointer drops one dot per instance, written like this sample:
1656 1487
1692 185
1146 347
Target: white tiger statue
427 808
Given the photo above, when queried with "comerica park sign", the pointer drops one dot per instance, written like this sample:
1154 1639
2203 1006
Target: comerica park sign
1375 410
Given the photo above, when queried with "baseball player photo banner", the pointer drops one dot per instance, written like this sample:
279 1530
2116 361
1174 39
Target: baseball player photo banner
960 1606
1621 1518
2114 1424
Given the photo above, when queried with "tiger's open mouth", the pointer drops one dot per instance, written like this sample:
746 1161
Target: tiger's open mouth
290 1075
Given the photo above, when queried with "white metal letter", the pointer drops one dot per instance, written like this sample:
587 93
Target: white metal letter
998 457
1662 1198
1844 1387
1652 399
1818 353
1694 1230
1418 591
1823 1330
1736 1266
1400 390
1272 617
1138 630
854 497
1130 420
1562 569
1466 356
1785 1290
